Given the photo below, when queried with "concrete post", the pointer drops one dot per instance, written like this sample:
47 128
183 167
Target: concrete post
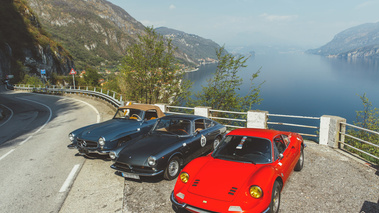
202 111
257 119
163 107
330 128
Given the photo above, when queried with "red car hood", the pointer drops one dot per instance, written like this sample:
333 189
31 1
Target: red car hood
222 179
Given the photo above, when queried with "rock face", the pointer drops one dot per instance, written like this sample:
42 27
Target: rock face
94 31
24 45
99 32
357 42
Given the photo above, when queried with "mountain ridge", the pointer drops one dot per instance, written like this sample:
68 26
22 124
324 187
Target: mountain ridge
356 42
95 31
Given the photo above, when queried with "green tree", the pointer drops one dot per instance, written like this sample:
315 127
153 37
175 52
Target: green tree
92 77
32 80
149 73
111 83
367 118
221 91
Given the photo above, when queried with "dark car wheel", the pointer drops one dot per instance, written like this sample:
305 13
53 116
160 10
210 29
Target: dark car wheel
275 198
172 169
300 162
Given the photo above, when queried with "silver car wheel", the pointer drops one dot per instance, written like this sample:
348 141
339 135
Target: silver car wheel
173 168
216 142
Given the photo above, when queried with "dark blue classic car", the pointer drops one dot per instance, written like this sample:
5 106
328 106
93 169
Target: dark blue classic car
173 142
128 123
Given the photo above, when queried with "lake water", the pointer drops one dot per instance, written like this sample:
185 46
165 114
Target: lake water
306 85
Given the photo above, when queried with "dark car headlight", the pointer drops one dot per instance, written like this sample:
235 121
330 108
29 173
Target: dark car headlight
101 141
152 161
71 136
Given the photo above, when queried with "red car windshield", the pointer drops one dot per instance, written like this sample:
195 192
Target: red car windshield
245 149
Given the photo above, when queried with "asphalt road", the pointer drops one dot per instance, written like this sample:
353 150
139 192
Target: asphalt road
37 169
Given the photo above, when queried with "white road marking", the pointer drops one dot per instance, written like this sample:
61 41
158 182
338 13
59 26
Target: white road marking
25 140
48 120
94 108
2 157
70 178
9 116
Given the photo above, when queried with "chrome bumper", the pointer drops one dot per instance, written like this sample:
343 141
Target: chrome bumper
175 203
139 173
83 151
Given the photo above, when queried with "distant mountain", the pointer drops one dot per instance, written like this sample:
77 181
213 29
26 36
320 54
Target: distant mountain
98 32
94 31
360 42
25 46
195 47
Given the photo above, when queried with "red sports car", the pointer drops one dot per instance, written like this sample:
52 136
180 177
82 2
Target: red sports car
246 173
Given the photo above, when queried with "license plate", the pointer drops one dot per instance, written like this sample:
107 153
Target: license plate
130 175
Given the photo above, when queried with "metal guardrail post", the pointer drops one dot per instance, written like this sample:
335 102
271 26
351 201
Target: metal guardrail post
342 133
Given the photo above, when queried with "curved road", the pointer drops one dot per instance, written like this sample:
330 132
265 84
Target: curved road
36 167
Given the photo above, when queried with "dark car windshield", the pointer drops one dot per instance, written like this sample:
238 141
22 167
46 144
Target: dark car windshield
135 114
245 149
173 126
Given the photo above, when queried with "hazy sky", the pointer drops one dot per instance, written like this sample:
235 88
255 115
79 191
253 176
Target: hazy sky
304 23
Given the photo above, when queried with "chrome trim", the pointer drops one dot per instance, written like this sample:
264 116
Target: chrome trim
139 173
90 151
265 211
179 205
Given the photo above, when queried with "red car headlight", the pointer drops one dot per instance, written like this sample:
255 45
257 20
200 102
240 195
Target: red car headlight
184 177
256 192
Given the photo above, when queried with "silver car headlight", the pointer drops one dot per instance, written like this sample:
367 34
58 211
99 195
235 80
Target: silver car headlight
71 136
113 155
152 161
102 141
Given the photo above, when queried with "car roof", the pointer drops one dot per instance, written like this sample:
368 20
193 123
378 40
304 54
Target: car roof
254 132
144 107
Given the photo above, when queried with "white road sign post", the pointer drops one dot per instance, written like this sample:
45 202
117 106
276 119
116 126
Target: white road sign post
73 72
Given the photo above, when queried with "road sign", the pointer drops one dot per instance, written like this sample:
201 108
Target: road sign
72 72
43 72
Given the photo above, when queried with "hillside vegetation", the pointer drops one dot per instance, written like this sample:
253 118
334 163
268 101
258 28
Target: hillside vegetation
25 47
98 33
195 47
357 42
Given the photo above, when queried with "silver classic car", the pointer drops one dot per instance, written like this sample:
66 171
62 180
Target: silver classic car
128 123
